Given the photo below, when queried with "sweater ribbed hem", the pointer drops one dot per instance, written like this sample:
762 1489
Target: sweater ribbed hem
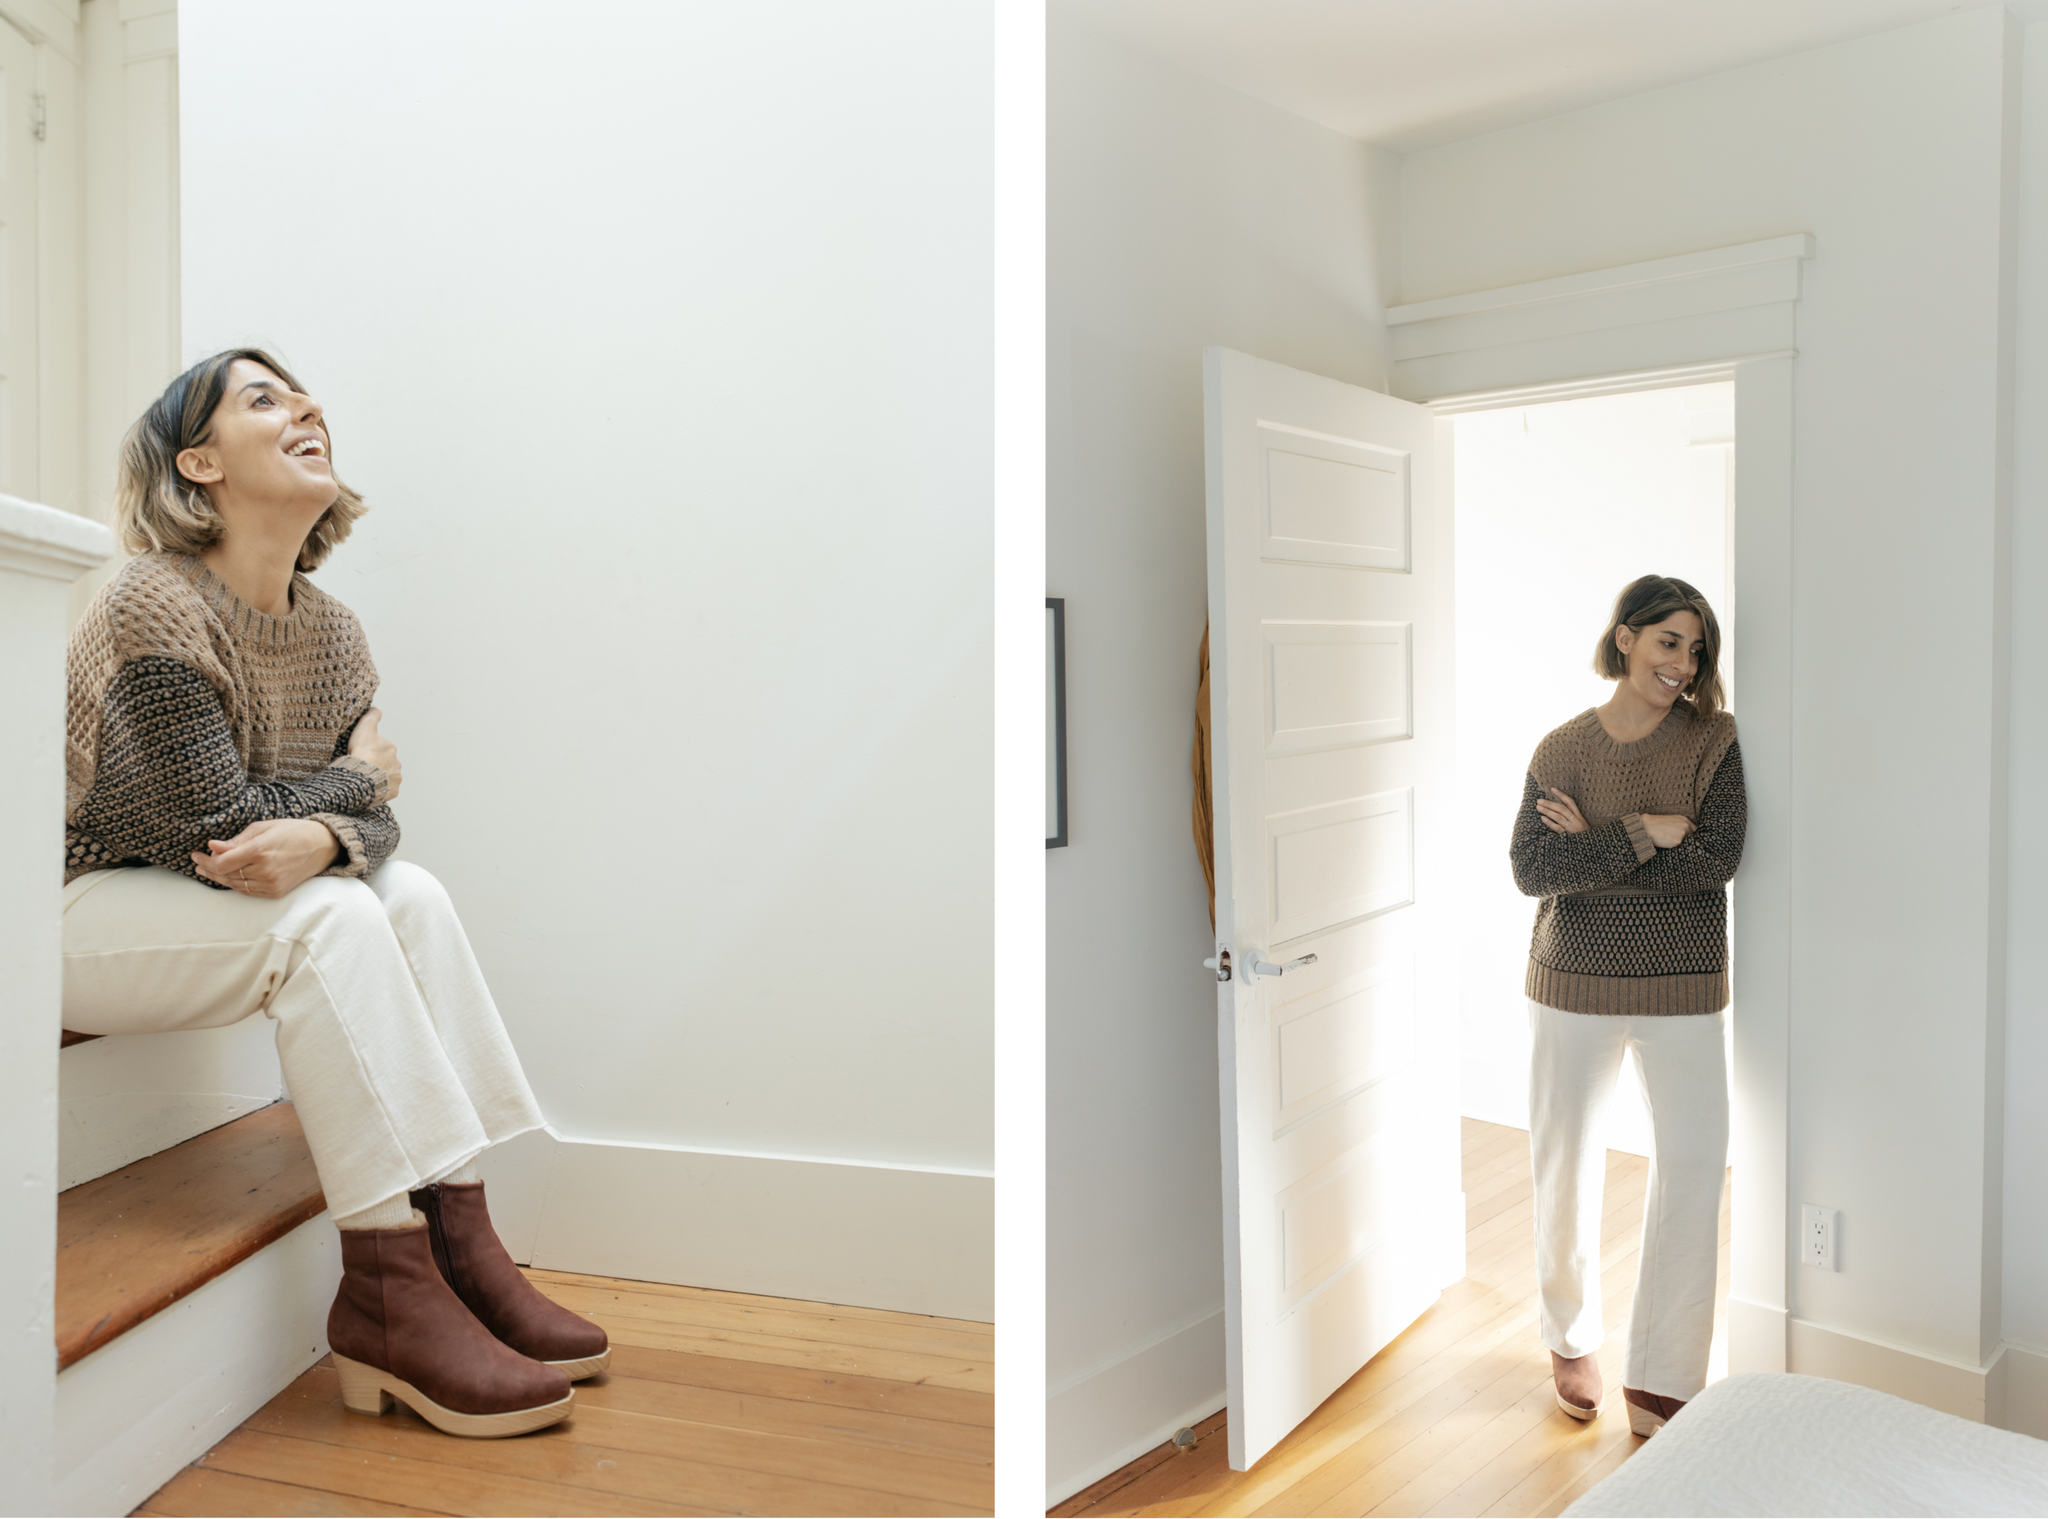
1639 836
376 775
1627 996
344 830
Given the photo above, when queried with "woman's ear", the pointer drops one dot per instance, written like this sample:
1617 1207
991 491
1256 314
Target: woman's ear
1624 638
198 466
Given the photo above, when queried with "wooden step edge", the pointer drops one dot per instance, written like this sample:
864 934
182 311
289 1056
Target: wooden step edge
135 1241
70 1039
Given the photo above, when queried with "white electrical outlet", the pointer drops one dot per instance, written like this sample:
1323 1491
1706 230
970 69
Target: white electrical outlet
1817 1230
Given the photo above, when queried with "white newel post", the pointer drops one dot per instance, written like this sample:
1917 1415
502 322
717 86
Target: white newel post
42 551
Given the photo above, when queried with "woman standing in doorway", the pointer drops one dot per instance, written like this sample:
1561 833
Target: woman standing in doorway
1631 824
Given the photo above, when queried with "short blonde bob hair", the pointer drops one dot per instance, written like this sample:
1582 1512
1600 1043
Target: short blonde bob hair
157 508
1643 604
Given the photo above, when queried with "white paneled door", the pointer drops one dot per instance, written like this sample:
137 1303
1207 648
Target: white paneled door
1330 691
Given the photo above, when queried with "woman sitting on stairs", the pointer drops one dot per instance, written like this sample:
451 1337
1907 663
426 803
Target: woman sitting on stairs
228 850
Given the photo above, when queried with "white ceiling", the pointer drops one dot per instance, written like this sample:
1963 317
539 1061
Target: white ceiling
1414 73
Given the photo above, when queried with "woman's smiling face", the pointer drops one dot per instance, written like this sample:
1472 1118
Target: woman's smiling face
265 442
1664 657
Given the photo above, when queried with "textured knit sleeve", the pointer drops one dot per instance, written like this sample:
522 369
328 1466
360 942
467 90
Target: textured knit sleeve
1548 863
369 838
169 777
1706 858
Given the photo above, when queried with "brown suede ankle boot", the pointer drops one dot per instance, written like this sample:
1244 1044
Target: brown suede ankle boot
398 1331
477 1266
1648 1411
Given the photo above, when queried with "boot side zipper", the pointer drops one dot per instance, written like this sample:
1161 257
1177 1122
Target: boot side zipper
437 1236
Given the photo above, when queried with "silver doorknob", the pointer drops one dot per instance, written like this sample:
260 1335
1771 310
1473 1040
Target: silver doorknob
1259 967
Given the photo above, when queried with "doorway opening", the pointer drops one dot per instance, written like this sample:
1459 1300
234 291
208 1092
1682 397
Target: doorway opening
1558 506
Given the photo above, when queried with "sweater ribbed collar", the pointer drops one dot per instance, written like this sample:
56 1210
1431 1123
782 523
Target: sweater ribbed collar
247 625
1602 744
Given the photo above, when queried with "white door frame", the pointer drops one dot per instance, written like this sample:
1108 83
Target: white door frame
1724 314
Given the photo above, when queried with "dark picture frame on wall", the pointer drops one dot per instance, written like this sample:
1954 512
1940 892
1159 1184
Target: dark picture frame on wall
1055 722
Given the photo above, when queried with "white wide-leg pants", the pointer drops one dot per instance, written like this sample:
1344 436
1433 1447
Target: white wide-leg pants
1684 1069
389 1040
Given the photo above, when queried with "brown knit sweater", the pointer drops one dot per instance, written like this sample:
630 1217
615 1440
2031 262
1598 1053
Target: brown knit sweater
192 715
1626 927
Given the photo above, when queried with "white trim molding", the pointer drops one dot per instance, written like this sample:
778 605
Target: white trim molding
1178 1377
881 1235
1599 385
42 551
48 544
2018 1399
1716 306
49 23
2009 1391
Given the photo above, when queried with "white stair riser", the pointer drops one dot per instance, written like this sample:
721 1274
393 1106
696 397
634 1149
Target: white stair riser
131 1095
132 1413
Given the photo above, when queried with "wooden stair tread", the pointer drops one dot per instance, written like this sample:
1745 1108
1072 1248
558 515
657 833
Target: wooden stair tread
70 1039
132 1242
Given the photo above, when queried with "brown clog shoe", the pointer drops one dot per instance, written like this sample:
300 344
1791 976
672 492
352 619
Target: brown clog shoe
398 1331
479 1268
1648 1411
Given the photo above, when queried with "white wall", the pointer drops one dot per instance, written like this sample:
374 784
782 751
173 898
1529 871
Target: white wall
1558 508
661 351
1893 151
2026 1071
1180 214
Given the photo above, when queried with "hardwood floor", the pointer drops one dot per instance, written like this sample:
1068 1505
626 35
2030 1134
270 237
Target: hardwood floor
1456 1416
716 1403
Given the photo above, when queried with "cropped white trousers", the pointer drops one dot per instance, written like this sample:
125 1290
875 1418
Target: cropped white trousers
1685 1085
389 1040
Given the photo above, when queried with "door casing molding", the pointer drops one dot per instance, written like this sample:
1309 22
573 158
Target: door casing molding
1725 314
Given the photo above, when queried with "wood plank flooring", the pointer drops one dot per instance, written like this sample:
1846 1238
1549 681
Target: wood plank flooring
716 1403
1456 1416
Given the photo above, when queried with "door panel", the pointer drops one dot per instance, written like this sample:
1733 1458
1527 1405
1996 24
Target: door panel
1336 684
1330 611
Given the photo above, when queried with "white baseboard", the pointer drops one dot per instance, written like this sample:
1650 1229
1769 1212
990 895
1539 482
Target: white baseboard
1967 1391
1113 1416
132 1413
1756 1336
123 1098
872 1236
2020 1403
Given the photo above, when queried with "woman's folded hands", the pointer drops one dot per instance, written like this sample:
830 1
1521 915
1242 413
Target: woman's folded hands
268 858
1666 830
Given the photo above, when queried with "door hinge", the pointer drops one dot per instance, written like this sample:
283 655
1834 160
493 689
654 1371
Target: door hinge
39 115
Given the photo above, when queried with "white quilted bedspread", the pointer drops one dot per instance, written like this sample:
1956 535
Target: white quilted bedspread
1769 1443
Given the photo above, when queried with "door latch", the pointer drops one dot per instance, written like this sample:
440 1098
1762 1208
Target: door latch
1219 963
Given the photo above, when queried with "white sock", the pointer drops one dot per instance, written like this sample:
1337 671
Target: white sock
393 1213
464 1172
